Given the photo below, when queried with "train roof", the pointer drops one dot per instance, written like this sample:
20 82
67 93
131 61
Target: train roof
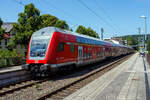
80 38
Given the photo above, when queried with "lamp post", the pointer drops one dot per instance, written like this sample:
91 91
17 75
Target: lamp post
139 39
145 31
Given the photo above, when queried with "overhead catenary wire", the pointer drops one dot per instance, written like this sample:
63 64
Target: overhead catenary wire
98 16
60 10
102 9
105 13
64 12
70 15
21 3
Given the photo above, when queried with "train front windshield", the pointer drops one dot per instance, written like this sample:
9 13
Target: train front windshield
38 48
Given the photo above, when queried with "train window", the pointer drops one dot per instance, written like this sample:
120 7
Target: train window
98 54
60 47
90 55
72 47
84 55
87 56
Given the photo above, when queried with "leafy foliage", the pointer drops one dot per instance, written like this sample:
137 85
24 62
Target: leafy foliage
37 85
48 20
148 46
132 41
30 21
71 29
8 58
86 31
1 22
2 31
81 29
92 33
10 54
62 24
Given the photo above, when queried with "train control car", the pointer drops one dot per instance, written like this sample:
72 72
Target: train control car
51 49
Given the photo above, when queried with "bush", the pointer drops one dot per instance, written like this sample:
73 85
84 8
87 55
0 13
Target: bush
9 58
148 46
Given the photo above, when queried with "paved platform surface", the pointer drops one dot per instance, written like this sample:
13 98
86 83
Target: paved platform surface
10 69
129 81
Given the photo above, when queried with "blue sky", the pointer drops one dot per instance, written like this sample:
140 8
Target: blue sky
117 17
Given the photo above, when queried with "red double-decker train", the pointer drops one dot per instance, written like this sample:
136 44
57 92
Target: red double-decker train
51 49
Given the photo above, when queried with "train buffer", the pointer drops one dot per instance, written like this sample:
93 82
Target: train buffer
128 81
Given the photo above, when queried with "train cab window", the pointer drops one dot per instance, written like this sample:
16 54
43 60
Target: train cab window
72 47
60 47
84 55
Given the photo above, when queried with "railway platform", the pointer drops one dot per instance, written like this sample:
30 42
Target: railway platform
128 81
10 69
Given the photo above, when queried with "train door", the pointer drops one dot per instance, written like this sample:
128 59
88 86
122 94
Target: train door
106 52
103 52
80 53
111 50
110 53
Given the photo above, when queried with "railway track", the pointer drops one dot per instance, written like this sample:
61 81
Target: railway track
19 86
13 77
64 91
62 87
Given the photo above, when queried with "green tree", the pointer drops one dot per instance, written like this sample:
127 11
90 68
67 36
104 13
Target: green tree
2 31
28 22
148 46
62 24
82 30
132 40
86 31
1 22
48 20
92 33
71 29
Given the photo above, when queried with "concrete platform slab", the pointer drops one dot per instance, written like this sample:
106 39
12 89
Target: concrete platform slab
129 81
10 69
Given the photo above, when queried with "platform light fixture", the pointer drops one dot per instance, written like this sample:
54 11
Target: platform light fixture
144 17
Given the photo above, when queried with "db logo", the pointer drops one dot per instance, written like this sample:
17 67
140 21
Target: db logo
36 61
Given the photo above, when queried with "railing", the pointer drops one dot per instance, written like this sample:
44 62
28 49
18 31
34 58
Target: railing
13 61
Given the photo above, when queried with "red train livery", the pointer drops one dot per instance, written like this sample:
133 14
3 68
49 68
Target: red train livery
51 49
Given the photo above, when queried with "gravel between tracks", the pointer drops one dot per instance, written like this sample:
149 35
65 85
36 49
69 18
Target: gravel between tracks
31 93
